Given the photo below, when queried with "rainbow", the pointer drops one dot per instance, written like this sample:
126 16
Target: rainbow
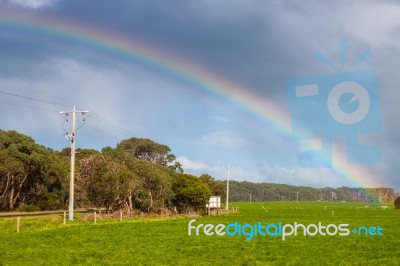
85 40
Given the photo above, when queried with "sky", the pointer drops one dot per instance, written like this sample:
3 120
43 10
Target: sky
209 79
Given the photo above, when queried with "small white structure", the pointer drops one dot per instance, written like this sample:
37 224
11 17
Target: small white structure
214 202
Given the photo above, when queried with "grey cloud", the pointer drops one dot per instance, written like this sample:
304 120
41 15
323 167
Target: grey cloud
256 43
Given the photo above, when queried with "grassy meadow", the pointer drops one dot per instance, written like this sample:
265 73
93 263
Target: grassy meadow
165 241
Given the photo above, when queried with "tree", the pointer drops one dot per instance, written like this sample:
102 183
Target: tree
216 187
28 173
106 183
115 178
133 182
48 192
397 203
13 177
147 150
190 193
155 190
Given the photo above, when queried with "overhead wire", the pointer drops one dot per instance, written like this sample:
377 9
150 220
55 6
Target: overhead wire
29 107
102 132
34 99
62 126
111 124
82 124
95 116
108 123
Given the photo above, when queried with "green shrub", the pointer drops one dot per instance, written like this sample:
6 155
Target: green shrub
28 208
397 203
190 193
49 201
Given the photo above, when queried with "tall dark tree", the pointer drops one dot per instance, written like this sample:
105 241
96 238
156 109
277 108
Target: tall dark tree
155 190
106 183
29 173
147 150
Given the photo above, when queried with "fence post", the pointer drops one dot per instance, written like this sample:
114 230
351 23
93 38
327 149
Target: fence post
65 217
120 216
95 217
18 221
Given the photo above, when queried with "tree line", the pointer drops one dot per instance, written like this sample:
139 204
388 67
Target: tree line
241 191
137 174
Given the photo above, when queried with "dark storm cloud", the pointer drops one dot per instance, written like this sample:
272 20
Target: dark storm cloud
246 42
259 44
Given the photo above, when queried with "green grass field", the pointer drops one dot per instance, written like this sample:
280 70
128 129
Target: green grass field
47 241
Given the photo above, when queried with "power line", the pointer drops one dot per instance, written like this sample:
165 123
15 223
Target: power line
102 132
29 107
93 115
83 123
111 124
34 99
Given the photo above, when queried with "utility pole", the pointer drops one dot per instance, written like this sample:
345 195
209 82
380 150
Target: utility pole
72 137
227 191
